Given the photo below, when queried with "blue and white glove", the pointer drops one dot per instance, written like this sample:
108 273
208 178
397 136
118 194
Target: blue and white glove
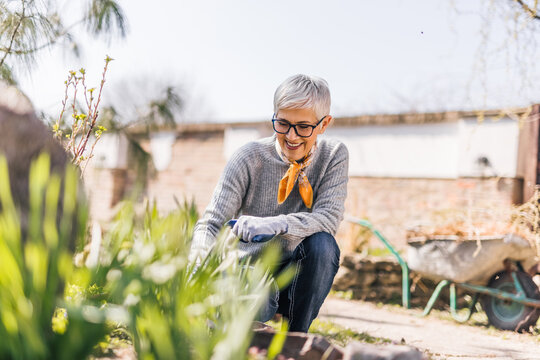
259 229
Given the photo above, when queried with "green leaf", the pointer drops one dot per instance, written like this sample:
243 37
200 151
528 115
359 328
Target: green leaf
278 341
106 16
7 75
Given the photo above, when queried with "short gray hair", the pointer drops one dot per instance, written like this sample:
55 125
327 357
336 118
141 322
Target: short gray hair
303 92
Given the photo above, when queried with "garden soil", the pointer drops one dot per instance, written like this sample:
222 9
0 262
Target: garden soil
438 337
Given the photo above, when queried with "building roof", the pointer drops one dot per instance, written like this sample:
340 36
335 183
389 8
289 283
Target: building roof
361 120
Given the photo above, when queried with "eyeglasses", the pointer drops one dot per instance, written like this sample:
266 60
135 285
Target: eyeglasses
303 130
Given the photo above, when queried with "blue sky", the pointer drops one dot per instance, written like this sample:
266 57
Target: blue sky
229 56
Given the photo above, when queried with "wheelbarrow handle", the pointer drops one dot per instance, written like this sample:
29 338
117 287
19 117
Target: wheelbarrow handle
256 239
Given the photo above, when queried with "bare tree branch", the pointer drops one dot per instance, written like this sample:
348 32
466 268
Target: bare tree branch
21 19
532 12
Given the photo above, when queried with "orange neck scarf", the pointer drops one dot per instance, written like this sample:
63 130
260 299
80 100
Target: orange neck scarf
296 172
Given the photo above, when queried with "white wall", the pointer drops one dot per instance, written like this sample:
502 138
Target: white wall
235 137
401 150
111 151
444 150
161 144
497 141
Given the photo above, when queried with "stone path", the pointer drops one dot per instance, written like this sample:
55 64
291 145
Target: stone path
442 339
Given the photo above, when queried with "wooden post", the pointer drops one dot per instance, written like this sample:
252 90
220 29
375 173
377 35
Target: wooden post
528 152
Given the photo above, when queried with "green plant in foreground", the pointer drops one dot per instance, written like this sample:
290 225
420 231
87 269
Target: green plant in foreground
34 266
141 282
178 310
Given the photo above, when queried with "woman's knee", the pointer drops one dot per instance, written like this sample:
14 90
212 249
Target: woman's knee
322 245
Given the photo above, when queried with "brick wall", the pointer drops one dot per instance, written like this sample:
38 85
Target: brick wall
104 188
391 204
195 168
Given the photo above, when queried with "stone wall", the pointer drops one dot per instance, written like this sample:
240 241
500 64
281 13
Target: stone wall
371 279
380 280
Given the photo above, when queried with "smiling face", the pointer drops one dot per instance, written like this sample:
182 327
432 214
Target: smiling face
293 146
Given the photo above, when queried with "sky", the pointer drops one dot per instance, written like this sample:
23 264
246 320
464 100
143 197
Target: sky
228 57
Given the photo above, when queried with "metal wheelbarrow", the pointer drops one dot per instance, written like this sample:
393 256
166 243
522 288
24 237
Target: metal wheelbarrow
492 268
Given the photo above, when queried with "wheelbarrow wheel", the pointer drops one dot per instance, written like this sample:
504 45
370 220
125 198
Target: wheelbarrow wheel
507 314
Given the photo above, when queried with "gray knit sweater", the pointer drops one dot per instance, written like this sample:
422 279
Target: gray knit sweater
249 186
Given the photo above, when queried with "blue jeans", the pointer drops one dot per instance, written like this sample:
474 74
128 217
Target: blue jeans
316 261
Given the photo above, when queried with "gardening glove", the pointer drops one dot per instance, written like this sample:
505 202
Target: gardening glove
259 229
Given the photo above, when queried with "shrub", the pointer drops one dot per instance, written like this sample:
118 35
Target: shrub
178 311
137 275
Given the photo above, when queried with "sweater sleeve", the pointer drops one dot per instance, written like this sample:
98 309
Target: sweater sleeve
225 205
329 205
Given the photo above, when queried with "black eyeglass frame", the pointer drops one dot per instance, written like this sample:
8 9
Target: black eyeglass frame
294 126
